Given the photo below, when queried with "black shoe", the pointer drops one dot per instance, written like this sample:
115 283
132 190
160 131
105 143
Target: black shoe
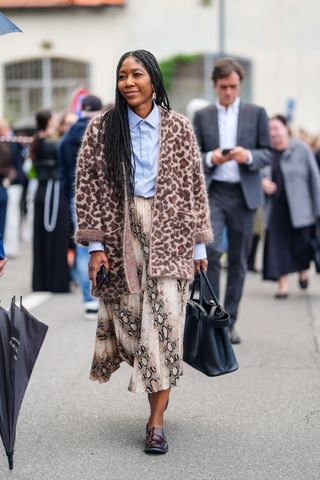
155 441
252 268
234 337
281 296
303 283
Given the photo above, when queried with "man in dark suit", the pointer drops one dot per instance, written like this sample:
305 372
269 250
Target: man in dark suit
234 139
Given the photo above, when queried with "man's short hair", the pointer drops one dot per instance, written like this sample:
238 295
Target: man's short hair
224 67
280 118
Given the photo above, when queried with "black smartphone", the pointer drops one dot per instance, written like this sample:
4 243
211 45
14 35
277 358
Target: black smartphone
225 151
101 276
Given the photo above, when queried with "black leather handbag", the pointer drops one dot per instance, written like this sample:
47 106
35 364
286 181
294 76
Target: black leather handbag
206 343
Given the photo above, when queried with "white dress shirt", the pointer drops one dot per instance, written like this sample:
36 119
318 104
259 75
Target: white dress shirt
228 129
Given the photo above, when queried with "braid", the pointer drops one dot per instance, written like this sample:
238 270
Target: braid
115 127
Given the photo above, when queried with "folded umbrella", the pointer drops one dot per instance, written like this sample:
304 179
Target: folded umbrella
9 347
6 26
29 334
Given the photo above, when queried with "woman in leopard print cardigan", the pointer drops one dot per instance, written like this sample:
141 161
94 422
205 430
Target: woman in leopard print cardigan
142 209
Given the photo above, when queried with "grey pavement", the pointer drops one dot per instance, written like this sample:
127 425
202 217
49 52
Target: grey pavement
259 423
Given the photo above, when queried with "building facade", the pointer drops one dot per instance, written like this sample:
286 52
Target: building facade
67 44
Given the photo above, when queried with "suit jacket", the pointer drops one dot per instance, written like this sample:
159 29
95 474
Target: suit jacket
302 185
180 212
252 134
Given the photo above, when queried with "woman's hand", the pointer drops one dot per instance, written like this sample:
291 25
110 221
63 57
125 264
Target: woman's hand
97 259
202 263
269 187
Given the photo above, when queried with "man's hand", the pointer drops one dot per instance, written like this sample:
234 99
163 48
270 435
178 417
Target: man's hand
96 260
218 158
269 187
2 264
202 263
239 154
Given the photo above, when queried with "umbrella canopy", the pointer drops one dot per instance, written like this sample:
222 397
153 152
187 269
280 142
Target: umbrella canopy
20 354
6 26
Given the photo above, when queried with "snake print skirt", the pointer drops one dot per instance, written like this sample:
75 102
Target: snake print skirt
145 329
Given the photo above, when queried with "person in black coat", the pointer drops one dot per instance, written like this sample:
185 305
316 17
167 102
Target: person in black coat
292 208
50 233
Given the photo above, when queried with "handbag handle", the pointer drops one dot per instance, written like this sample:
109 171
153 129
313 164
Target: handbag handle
204 280
195 282
200 280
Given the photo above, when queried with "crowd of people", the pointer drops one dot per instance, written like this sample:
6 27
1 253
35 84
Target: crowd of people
128 183
37 177
270 157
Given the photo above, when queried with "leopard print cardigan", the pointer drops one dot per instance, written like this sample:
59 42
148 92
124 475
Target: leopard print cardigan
180 214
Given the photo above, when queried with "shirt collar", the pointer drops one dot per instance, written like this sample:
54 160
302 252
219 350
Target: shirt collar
234 107
153 119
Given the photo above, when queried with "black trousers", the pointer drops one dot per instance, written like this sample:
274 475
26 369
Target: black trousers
229 212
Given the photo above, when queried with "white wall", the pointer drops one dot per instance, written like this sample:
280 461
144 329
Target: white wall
282 37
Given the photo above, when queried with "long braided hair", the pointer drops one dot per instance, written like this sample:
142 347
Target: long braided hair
115 127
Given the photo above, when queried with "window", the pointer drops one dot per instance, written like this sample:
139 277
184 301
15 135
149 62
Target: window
41 83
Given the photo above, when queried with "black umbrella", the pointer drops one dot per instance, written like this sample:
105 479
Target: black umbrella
6 26
26 335
9 343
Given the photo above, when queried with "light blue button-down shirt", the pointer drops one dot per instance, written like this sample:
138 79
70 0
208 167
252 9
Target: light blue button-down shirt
228 118
145 138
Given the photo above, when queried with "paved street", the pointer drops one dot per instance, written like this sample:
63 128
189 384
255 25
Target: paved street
260 423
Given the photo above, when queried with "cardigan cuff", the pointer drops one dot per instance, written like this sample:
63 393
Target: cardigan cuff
205 236
85 236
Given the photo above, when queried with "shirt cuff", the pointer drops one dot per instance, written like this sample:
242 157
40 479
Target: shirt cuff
96 247
199 251
250 158
209 159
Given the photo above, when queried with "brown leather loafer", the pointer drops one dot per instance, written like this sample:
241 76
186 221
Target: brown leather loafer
155 441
